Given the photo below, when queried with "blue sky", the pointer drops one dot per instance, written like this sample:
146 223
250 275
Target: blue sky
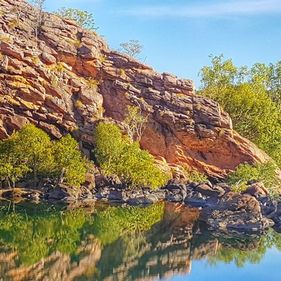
178 35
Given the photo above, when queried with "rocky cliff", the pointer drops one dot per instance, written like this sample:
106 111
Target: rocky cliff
64 78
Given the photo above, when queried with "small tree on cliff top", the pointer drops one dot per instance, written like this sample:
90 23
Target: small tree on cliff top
83 18
131 48
39 15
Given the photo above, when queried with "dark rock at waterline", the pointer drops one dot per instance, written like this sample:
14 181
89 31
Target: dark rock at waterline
236 212
275 215
175 192
224 210
221 209
209 190
268 206
21 194
257 189
204 195
201 202
139 201
116 195
57 194
141 196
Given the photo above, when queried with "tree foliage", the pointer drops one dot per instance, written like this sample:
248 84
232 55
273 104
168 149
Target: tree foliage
83 18
70 167
39 15
251 97
134 123
30 153
116 154
34 147
131 48
267 173
12 168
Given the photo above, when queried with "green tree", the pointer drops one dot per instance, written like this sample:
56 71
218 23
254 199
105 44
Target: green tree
34 148
134 123
12 167
269 78
70 165
83 18
39 15
247 96
116 154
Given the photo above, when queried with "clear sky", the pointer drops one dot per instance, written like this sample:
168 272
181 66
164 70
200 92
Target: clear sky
178 35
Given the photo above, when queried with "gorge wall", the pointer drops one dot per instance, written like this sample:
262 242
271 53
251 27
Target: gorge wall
66 79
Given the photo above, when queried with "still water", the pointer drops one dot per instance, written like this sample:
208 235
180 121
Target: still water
160 242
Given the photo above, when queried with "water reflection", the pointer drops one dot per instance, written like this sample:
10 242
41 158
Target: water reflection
115 243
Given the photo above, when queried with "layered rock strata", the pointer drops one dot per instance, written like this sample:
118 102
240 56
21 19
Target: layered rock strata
64 78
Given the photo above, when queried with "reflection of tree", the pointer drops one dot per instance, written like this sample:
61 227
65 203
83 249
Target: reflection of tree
114 222
245 250
37 236
115 243
161 251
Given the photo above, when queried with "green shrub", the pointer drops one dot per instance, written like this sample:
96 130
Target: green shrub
29 149
195 176
116 154
70 166
267 173
30 153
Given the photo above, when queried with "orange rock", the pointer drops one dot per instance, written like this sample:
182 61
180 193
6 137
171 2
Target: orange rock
44 82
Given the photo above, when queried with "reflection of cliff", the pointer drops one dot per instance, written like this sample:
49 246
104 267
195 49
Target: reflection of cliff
164 251
147 245
55 267
169 248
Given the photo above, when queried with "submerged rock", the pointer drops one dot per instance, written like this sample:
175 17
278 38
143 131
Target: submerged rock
21 194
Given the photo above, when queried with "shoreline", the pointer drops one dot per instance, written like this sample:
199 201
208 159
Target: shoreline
252 211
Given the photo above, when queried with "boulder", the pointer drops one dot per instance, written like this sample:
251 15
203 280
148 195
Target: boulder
208 190
257 189
235 221
236 212
175 192
58 194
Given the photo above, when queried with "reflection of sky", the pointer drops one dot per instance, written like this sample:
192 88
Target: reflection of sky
269 269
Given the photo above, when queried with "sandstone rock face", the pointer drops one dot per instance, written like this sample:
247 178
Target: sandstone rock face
67 79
